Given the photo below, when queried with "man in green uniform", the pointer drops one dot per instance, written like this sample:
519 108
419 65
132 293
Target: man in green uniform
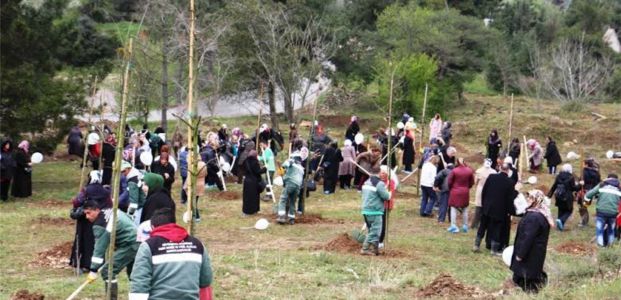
125 244
374 193
293 178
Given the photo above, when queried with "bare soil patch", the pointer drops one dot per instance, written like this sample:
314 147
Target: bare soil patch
56 257
544 188
51 203
575 248
228 195
346 244
315 219
57 221
27 295
476 158
446 286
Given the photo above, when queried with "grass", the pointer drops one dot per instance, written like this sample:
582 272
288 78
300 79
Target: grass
283 263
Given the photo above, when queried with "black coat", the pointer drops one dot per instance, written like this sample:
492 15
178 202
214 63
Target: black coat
531 242
155 200
493 148
568 180
7 162
351 131
591 178
408 150
514 152
252 186
552 155
158 168
497 196
107 158
74 141
22 178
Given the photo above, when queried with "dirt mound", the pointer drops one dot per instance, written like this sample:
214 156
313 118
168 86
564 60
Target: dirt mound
228 195
342 243
314 219
447 287
26 295
56 257
47 220
575 248
544 188
51 203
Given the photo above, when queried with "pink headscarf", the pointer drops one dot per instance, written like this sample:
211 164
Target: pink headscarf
24 145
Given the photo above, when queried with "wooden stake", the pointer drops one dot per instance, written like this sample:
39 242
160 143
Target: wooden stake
510 124
422 120
192 162
116 170
388 159
85 155
310 145
101 131
259 116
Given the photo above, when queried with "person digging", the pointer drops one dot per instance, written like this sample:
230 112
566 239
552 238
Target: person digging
374 193
125 243
293 179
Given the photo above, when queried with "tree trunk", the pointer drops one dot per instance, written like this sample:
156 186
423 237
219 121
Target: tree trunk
179 86
271 96
164 120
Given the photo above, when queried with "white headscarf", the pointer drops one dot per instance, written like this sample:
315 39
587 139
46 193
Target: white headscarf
95 177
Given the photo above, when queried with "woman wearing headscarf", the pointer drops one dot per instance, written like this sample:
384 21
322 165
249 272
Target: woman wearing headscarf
157 196
494 144
347 168
535 157
253 185
74 142
164 168
330 165
84 241
531 243
552 155
7 168
352 129
435 127
563 191
515 150
590 178
409 154
22 178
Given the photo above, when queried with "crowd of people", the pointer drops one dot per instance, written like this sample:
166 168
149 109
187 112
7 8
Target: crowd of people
151 164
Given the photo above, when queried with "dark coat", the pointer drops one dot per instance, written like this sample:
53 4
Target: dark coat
552 155
591 178
531 242
158 168
460 180
351 131
331 160
514 152
252 186
493 148
408 150
107 158
7 162
568 180
22 178
74 141
157 199
497 196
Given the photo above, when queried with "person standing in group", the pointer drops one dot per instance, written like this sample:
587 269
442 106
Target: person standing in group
352 129
22 178
515 150
531 244
125 245
552 155
253 184
165 169
7 168
74 142
480 176
293 179
591 178
369 161
427 178
157 196
608 201
409 152
441 187
435 127
563 191
347 168
330 165
494 144
171 264
199 191
374 193
535 157
182 156
267 158
447 133
460 181
360 149
497 207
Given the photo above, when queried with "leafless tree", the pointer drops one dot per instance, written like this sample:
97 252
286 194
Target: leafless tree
572 74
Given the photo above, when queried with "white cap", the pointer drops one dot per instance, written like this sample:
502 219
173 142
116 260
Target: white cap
384 169
508 160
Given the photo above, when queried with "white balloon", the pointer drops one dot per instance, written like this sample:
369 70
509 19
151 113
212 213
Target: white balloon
400 125
146 158
278 181
226 167
36 158
610 154
506 255
359 138
261 224
532 180
187 216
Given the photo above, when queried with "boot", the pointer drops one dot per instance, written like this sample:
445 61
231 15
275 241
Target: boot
496 249
477 245
366 249
281 220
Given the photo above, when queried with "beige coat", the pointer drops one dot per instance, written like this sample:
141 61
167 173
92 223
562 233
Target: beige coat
480 177
200 180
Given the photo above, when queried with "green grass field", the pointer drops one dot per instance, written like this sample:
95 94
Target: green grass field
296 262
